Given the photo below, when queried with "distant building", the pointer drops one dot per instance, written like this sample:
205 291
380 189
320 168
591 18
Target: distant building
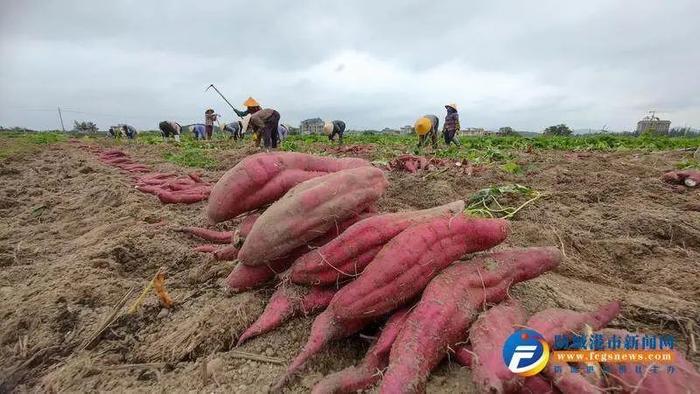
388 130
475 131
654 124
407 130
311 126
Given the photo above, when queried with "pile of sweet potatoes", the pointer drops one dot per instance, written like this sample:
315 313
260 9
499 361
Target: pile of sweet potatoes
168 187
311 223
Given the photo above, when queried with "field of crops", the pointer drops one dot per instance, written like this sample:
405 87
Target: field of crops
78 243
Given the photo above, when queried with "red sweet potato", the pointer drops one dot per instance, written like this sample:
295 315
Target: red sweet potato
449 305
227 253
554 321
187 197
285 303
362 376
685 378
487 335
324 330
220 237
247 224
310 210
464 355
346 257
245 277
537 385
406 264
263 178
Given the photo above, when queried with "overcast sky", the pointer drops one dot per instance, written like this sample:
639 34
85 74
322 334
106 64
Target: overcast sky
374 64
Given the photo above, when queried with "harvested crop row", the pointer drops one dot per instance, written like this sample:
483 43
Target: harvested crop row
263 178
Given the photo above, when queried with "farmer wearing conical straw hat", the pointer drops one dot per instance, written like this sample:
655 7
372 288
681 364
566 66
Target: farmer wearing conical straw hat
427 127
451 127
252 106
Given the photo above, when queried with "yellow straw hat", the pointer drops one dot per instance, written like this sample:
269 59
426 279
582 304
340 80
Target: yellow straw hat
327 128
251 102
423 125
453 106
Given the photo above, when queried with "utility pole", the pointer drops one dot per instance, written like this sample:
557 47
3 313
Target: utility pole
61 117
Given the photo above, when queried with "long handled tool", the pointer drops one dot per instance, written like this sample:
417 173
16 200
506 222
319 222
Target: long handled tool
222 96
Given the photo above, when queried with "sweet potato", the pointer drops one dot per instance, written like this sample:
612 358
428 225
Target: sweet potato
285 303
555 321
220 237
346 257
309 210
227 253
324 330
487 335
263 178
449 305
685 378
464 355
537 385
362 376
247 224
244 277
186 197
406 264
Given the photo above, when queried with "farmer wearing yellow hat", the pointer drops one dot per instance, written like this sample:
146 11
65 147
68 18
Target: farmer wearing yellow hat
451 127
252 106
427 127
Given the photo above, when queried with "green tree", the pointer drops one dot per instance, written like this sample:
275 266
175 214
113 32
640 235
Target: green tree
85 127
560 129
506 131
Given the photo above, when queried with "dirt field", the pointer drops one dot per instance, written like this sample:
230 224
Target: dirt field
75 236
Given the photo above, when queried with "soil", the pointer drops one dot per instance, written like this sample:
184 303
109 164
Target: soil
75 237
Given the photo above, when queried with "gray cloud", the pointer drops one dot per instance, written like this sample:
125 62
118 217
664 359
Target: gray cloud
371 63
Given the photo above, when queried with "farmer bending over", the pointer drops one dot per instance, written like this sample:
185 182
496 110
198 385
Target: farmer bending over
235 129
451 126
252 106
333 128
199 131
264 123
129 131
168 129
427 127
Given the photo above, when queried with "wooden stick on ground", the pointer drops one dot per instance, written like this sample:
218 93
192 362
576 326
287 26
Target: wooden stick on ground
255 357
108 321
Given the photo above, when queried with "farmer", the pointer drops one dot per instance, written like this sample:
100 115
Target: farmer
129 131
169 128
264 123
333 128
282 131
427 127
451 127
235 129
199 131
115 131
252 106
209 118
